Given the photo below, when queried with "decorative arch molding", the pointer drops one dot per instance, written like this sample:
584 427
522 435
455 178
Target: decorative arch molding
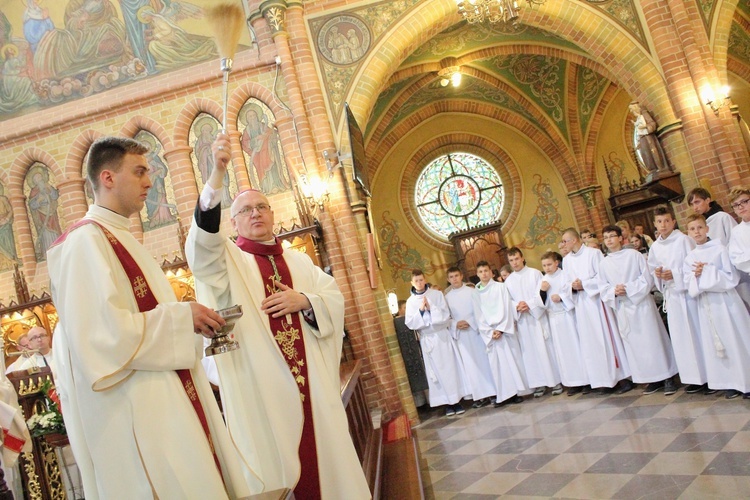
719 32
77 152
140 122
24 161
628 62
594 130
258 91
468 143
739 68
561 158
188 113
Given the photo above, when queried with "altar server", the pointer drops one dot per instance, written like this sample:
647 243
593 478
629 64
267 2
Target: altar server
494 312
625 285
665 260
724 322
470 344
532 326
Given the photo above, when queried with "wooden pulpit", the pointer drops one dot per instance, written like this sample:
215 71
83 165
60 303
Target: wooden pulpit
480 243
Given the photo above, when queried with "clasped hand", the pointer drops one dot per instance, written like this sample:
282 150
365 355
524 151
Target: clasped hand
205 320
285 301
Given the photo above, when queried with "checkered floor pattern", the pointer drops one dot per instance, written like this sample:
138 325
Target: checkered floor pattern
590 446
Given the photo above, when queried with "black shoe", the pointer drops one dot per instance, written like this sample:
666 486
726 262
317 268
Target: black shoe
514 400
450 411
710 391
575 390
459 409
731 394
481 403
653 387
625 386
586 389
695 388
746 395
604 391
669 387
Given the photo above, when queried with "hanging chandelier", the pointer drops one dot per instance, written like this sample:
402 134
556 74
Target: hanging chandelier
494 11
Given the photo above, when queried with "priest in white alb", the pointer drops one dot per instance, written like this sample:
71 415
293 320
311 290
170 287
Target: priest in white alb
532 326
665 260
494 313
470 344
139 412
281 389
427 312
625 285
601 346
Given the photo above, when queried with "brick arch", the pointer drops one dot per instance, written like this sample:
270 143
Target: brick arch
739 68
258 91
719 35
77 152
188 113
561 158
469 143
25 160
140 122
595 129
630 65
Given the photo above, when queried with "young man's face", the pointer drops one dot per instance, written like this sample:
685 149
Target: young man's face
515 261
612 241
585 236
700 205
741 206
664 225
698 230
418 282
550 266
484 273
455 279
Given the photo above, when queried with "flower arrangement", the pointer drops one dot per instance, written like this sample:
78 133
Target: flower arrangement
47 419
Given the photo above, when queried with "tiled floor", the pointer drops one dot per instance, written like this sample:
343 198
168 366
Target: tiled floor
628 446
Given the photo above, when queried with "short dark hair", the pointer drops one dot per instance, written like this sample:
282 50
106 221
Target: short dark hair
612 229
662 210
552 255
572 231
107 153
416 272
514 251
454 269
483 263
700 192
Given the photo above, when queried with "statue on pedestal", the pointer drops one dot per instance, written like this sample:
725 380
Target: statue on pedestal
648 148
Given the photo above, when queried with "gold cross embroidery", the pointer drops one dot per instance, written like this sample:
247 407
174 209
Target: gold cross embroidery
140 287
190 390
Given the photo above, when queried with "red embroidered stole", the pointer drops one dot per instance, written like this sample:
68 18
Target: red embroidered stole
146 301
289 336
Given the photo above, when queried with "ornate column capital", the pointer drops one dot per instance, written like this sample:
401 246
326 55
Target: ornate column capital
274 11
587 193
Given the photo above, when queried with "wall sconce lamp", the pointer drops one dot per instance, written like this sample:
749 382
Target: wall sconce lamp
708 96
451 74
315 192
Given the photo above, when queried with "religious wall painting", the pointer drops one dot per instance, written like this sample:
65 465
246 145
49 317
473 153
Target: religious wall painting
624 13
621 174
739 43
591 85
401 257
42 205
261 148
203 132
544 226
344 40
57 51
160 208
8 249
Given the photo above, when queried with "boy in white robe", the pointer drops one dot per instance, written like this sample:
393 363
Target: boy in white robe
562 323
532 326
625 285
427 312
665 260
470 344
601 346
739 240
719 222
494 313
724 321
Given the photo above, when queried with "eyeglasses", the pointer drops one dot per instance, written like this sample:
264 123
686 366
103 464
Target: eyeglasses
38 337
248 210
740 204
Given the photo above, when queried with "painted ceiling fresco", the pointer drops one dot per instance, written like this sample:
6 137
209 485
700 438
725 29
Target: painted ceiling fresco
53 51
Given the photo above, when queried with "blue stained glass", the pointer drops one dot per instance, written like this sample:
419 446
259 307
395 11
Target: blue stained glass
458 191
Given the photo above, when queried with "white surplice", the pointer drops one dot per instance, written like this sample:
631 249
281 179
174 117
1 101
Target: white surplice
442 361
494 311
532 328
682 310
643 334
720 227
739 253
470 344
562 322
133 430
601 346
724 320
260 396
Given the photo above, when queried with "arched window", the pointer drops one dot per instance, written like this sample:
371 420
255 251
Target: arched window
458 191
